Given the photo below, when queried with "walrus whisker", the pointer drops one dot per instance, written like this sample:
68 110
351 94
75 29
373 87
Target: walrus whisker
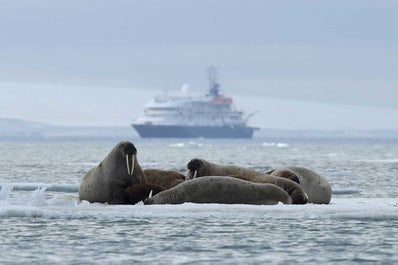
150 194
127 164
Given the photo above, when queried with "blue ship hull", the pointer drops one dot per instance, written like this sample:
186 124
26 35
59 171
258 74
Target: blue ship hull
167 131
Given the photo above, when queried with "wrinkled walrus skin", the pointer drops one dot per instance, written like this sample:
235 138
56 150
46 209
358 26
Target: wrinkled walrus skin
157 181
201 167
221 189
107 182
140 192
164 178
317 187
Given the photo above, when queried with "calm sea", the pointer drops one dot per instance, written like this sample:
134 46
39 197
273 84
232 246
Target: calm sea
42 222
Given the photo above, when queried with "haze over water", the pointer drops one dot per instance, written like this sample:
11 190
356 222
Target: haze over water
298 65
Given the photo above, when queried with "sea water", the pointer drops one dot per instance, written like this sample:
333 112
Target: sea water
43 222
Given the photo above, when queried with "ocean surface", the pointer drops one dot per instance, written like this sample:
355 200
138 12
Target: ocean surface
42 221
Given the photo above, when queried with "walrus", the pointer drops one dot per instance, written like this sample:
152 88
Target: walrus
139 192
201 167
107 182
164 178
221 189
317 187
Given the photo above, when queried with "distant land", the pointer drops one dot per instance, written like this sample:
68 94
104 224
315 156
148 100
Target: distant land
18 129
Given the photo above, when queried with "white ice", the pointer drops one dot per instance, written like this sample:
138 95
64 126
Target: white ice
47 204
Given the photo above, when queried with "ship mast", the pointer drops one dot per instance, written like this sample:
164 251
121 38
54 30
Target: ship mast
213 85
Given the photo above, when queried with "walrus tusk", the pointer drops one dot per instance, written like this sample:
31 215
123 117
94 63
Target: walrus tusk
194 174
127 164
132 165
150 194
130 171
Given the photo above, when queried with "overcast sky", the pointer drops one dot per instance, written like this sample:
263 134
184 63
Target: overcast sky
301 64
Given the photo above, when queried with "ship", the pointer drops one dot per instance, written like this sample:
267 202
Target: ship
211 115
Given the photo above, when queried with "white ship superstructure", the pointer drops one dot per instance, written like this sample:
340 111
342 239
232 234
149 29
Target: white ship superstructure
210 116
205 111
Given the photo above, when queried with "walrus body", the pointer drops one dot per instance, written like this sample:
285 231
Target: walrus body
201 167
108 181
317 187
164 178
221 189
139 192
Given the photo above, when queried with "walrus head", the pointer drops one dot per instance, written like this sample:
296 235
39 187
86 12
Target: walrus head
194 166
129 152
284 173
298 197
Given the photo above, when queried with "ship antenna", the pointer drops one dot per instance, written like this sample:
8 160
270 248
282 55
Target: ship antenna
214 86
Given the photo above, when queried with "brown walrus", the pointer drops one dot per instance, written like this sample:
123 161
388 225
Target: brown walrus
107 182
317 187
157 181
221 189
164 178
139 192
201 167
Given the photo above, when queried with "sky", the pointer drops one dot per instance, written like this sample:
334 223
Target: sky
297 64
